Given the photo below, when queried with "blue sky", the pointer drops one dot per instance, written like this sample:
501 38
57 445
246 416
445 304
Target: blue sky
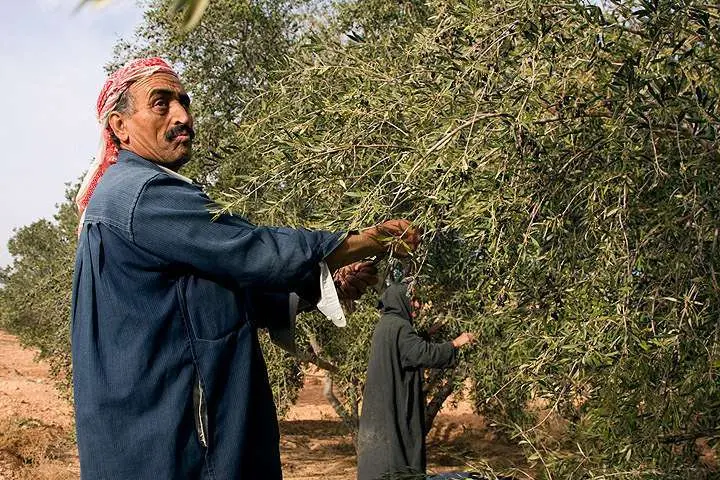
51 71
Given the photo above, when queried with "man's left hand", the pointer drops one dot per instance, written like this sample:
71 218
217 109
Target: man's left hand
354 279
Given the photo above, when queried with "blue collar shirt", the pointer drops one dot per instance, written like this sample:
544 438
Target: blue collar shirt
168 375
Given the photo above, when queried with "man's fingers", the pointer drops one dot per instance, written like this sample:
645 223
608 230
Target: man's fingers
356 283
366 271
403 248
350 292
400 236
364 267
368 278
341 273
353 280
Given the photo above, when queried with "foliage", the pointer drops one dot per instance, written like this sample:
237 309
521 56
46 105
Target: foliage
561 159
36 287
193 10
223 61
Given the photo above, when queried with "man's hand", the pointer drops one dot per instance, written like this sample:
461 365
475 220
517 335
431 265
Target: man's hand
353 280
396 236
463 339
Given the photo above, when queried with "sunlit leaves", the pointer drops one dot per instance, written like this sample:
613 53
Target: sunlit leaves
565 186
192 10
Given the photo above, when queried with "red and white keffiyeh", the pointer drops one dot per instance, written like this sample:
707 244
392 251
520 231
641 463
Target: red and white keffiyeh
117 84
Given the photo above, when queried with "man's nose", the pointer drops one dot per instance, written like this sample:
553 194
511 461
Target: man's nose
180 114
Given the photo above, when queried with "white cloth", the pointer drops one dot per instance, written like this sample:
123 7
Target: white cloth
329 303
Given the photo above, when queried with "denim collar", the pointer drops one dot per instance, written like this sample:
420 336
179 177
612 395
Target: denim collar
127 155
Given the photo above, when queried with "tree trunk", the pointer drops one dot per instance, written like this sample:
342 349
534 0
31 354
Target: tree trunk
442 393
349 417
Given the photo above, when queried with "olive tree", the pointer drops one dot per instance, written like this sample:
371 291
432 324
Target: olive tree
561 160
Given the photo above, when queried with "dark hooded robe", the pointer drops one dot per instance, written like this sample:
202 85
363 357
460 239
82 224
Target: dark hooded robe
392 422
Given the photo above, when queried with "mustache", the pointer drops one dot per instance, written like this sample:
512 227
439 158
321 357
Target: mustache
178 130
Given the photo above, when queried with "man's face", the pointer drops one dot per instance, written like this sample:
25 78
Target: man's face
158 126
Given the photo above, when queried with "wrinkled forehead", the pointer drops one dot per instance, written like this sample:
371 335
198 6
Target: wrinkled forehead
157 82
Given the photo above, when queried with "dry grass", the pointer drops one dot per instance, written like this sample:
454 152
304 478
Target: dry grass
32 450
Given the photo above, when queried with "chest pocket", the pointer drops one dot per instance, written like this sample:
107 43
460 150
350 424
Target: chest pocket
213 310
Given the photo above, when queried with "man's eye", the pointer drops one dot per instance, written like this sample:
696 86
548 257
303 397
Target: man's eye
161 103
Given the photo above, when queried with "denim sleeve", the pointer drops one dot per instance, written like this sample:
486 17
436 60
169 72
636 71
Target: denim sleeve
269 309
173 221
276 312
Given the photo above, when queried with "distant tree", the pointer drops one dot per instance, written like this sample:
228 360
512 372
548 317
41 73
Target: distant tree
35 288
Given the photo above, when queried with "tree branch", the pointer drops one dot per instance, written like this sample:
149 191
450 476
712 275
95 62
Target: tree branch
351 421
689 436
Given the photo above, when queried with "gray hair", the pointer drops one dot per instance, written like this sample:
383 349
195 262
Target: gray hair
125 106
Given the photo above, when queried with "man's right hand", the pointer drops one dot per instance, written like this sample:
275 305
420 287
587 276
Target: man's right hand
396 236
463 339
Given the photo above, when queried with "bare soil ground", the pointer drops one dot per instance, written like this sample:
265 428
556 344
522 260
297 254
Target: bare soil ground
36 425
36 431
315 444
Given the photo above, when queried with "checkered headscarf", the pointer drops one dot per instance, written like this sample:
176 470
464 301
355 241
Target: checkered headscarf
117 84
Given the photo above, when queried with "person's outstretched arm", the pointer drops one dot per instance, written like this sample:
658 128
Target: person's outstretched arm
416 352
173 221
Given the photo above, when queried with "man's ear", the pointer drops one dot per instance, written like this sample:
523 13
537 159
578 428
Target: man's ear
119 126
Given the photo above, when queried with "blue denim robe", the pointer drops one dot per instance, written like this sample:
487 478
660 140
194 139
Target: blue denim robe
169 378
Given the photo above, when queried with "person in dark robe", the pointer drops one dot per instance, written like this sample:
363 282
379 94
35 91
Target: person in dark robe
391 438
169 380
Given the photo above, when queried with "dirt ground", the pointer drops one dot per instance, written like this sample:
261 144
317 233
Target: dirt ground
36 425
36 431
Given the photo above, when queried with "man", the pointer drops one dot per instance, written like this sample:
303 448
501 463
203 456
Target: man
392 432
169 379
